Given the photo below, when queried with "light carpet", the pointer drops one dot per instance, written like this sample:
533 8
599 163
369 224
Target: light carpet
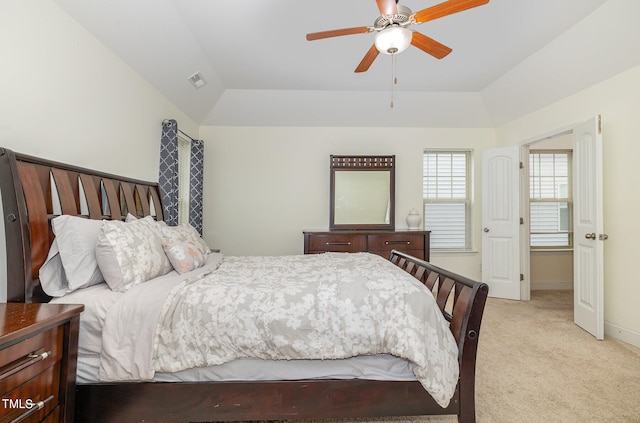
535 365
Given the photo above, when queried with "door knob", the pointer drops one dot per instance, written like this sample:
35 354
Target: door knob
590 236
486 229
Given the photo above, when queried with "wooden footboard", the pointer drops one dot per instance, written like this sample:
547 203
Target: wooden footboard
462 302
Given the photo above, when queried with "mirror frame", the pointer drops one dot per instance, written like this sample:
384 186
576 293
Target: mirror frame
363 163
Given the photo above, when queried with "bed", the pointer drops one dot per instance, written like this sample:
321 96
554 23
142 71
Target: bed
29 207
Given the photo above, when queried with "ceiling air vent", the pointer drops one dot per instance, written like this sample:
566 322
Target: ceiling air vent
197 80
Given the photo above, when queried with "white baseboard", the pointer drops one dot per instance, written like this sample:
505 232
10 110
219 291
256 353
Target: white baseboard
541 286
621 334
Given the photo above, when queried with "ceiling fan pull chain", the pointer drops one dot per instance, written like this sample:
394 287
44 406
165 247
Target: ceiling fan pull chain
394 79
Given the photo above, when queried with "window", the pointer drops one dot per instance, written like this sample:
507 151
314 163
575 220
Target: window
447 198
184 180
550 199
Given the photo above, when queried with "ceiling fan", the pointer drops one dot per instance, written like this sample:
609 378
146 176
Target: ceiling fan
393 35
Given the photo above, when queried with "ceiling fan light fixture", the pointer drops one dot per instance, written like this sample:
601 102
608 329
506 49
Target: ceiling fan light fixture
393 40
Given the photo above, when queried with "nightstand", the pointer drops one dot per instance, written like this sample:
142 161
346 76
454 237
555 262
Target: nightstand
38 354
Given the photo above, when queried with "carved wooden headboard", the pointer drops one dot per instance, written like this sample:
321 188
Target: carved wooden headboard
36 190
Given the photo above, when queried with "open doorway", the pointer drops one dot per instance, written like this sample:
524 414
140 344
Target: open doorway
505 232
550 207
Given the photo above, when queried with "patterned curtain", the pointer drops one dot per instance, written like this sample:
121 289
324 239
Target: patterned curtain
195 189
169 176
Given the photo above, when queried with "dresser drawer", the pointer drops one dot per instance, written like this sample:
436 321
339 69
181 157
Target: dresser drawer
337 243
23 400
401 242
22 361
419 254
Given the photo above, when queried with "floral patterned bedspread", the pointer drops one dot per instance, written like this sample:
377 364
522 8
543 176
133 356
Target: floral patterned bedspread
327 306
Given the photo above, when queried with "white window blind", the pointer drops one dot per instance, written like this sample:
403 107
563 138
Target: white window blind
447 198
550 199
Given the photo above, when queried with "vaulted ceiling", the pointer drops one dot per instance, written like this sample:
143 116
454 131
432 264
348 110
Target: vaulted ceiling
509 58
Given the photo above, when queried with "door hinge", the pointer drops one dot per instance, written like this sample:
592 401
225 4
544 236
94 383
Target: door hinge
522 220
521 165
599 124
521 277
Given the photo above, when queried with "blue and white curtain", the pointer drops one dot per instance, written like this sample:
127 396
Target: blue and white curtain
169 176
195 184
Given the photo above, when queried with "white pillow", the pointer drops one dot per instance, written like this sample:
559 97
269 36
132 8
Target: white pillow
72 262
131 253
52 278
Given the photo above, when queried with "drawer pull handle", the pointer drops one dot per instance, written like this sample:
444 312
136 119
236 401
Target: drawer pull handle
397 243
339 243
25 362
40 356
34 409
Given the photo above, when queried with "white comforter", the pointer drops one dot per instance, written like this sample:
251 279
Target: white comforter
328 306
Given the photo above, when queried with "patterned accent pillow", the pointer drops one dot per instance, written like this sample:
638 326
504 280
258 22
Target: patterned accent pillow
131 253
184 232
184 256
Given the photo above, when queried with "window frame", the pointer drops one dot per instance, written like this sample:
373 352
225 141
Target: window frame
467 201
558 200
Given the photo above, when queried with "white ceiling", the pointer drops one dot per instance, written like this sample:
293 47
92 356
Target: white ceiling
509 58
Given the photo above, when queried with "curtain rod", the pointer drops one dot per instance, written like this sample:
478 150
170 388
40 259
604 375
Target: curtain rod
168 122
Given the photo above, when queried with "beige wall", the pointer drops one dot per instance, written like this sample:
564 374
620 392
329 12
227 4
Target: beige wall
551 270
66 97
618 101
265 186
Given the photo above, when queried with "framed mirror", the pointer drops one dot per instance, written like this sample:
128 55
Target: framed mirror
362 192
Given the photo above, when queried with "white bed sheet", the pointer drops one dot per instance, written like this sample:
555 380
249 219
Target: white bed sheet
98 299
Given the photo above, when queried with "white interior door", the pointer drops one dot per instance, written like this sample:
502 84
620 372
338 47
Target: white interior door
501 222
588 258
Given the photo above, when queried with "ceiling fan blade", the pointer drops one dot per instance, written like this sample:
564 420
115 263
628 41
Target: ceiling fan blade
447 8
338 32
387 7
368 59
429 45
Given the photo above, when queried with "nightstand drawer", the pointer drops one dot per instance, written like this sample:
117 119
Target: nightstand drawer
54 417
38 350
401 242
337 243
23 400
24 360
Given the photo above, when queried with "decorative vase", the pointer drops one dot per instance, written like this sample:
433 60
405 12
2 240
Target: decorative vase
413 219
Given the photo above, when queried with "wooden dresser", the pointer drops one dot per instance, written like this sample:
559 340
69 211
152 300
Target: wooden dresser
38 354
415 243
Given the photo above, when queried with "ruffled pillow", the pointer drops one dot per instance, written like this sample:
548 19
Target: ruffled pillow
184 256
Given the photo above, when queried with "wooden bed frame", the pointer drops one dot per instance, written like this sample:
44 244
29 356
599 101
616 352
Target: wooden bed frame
25 184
